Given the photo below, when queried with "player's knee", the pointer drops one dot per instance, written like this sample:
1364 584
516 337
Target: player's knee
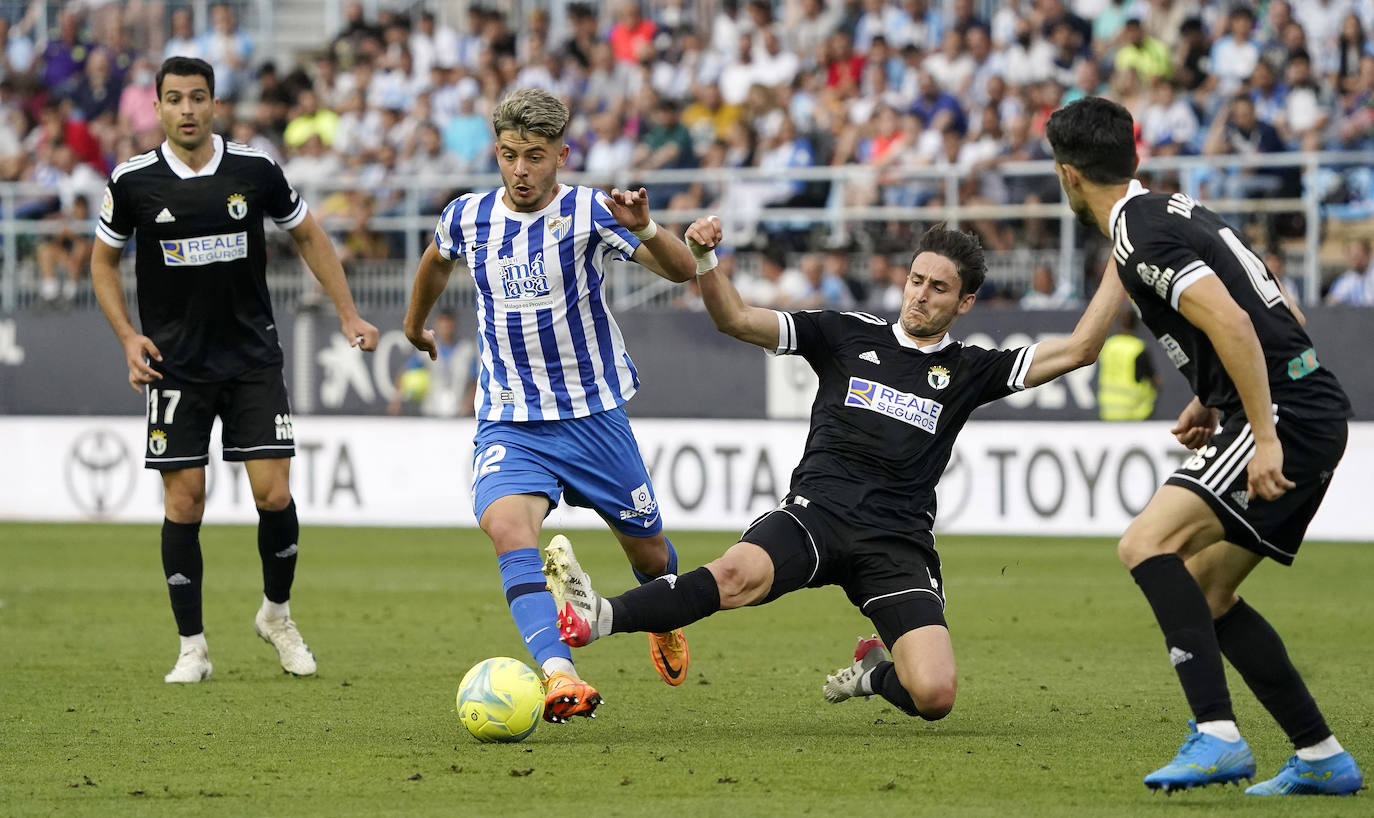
273 497
934 697
738 582
508 533
184 505
1133 548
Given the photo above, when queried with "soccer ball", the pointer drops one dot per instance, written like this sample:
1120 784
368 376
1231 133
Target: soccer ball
500 699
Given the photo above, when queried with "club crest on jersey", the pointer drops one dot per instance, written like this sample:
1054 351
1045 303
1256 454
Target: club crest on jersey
527 284
910 409
937 377
157 442
559 227
238 206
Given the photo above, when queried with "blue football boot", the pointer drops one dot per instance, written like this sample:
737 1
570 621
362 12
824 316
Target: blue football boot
1336 775
1203 760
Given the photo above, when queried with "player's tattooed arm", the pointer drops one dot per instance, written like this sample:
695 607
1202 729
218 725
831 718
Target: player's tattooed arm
1055 356
727 309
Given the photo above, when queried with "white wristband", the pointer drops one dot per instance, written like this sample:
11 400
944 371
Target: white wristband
648 232
707 263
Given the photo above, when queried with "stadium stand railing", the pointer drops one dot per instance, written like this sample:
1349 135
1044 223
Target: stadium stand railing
385 283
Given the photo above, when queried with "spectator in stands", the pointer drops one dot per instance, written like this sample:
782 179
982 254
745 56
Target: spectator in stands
1267 93
932 102
631 34
1029 57
96 93
1192 57
16 50
66 254
665 145
228 50
1044 293
709 117
775 68
843 67
1353 46
444 387
136 116
1235 55
183 41
1236 130
1355 286
814 287
310 163
987 64
886 280
1353 123
65 55
879 19
809 24
611 151
1303 118
1277 16
310 120
432 45
1169 124
1277 264
764 289
1149 57
951 67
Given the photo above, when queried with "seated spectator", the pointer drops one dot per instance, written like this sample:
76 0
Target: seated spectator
1354 45
932 101
665 145
709 117
311 164
311 121
1169 124
228 50
631 35
1235 55
1268 94
951 67
444 387
1139 51
136 115
1303 118
764 289
66 254
1236 130
96 93
611 151
886 281
1355 286
814 287
1044 294
64 57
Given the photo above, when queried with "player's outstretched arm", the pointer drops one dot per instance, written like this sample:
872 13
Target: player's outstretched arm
318 252
430 280
659 251
1056 356
1208 306
138 348
727 309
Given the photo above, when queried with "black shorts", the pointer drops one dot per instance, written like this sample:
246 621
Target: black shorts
893 580
253 407
1217 473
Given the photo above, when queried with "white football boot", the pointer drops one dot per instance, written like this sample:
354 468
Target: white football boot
193 665
844 683
281 633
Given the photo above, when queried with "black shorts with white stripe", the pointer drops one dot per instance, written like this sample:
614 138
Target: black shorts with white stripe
1218 474
892 579
254 408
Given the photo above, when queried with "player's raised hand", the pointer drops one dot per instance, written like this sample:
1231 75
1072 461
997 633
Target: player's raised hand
1196 425
138 349
359 333
424 341
1264 475
704 234
630 208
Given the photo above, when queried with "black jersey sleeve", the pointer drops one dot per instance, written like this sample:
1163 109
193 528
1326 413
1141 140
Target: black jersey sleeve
115 226
997 373
812 333
280 200
1152 257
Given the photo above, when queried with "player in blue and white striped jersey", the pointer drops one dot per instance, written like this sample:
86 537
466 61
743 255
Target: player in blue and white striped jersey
554 370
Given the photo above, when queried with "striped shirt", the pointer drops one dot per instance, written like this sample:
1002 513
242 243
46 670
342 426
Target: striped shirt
549 348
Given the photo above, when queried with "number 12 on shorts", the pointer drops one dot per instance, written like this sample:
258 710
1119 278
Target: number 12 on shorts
488 460
173 397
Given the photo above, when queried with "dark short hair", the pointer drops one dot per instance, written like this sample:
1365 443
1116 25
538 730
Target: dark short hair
962 249
1097 137
186 67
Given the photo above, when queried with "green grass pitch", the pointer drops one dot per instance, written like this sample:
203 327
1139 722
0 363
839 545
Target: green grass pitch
1066 695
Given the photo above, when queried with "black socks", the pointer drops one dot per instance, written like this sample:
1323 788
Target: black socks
1183 616
1256 651
184 569
277 534
666 603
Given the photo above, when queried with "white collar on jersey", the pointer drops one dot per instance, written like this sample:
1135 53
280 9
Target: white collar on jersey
1134 189
530 215
183 171
906 341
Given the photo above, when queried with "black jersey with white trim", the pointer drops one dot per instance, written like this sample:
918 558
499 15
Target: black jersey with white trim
887 413
200 255
1164 244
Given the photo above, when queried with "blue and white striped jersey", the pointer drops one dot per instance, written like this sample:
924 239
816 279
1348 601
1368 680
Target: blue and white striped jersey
550 349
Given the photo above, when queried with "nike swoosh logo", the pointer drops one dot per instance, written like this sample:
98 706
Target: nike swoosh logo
536 633
673 672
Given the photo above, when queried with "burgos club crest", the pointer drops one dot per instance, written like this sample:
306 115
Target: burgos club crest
238 206
938 377
157 442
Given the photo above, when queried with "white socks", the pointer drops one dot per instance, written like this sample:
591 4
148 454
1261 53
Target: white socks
275 610
558 665
1224 730
1323 749
197 640
605 616
866 683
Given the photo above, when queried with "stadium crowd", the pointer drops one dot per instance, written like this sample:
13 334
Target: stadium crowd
886 85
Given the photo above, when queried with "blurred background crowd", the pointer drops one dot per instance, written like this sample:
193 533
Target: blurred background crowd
891 86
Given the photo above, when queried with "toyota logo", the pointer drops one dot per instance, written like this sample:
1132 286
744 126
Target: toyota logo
100 473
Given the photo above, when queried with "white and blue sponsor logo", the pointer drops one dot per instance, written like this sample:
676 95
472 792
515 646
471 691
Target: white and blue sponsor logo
914 410
202 250
526 283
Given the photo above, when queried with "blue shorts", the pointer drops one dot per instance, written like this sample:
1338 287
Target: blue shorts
594 460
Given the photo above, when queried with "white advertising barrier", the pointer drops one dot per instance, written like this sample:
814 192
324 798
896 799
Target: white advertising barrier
1081 478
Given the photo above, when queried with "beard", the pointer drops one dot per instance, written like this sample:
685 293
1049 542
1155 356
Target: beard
1084 214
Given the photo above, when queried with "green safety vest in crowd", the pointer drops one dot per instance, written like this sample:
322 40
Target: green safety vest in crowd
1119 395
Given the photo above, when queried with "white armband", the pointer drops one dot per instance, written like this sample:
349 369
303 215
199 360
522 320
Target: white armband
648 232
